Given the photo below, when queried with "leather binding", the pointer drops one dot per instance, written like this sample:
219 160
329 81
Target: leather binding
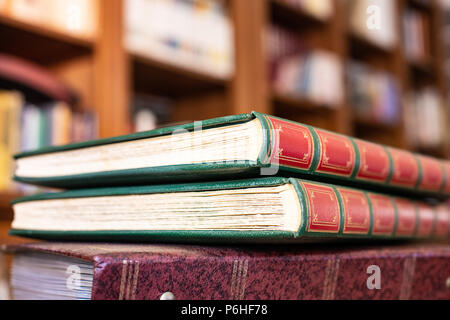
145 272
300 150
327 211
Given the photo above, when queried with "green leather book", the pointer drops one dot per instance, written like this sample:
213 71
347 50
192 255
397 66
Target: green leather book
242 146
259 210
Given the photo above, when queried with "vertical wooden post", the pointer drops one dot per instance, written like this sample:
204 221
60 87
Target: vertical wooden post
438 63
399 67
249 87
111 71
337 35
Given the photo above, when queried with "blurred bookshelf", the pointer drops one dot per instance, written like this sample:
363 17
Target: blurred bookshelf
243 60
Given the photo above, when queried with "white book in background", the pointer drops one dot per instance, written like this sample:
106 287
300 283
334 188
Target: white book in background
326 79
75 16
321 9
31 119
33 11
189 34
374 20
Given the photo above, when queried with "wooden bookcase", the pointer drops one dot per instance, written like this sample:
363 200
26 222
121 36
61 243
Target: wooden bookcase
107 76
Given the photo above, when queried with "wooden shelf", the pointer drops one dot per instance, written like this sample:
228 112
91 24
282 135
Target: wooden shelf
153 76
287 14
299 103
40 44
361 47
370 124
420 5
5 203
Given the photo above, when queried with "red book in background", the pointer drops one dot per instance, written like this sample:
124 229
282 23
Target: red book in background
135 272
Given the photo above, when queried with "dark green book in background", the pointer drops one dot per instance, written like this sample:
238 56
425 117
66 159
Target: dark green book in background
248 145
257 210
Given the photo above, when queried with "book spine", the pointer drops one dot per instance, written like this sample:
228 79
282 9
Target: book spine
368 274
307 150
334 211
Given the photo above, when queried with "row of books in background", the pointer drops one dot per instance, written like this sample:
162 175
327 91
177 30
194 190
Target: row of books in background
417 30
78 17
27 126
199 35
375 21
425 126
299 72
374 94
196 34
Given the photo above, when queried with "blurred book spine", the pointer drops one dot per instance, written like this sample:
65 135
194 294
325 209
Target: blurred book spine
416 29
425 127
78 17
195 34
25 127
313 75
374 95
374 20
10 109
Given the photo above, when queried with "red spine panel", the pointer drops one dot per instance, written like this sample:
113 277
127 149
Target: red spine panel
356 212
383 215
442 221
405 171
426 220
323 208
337 156
447 172
406 212
374 162
432 174
292 144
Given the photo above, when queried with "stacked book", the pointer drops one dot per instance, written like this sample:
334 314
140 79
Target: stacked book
144 214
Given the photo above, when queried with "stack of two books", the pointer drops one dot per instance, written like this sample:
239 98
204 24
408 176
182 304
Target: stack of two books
257 192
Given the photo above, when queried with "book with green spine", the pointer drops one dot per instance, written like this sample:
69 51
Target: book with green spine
241 146
257 210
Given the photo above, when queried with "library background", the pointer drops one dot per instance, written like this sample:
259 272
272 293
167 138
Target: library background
76 70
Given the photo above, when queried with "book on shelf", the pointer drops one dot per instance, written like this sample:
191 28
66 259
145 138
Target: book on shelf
280 43
374 20
101 271
431 120
373 94
78 17
28 126
234 146
416 30
299 72
199 35
253 210
10 108
315 76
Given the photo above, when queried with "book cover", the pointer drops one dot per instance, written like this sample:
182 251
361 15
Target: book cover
149 272
253 210
287 148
